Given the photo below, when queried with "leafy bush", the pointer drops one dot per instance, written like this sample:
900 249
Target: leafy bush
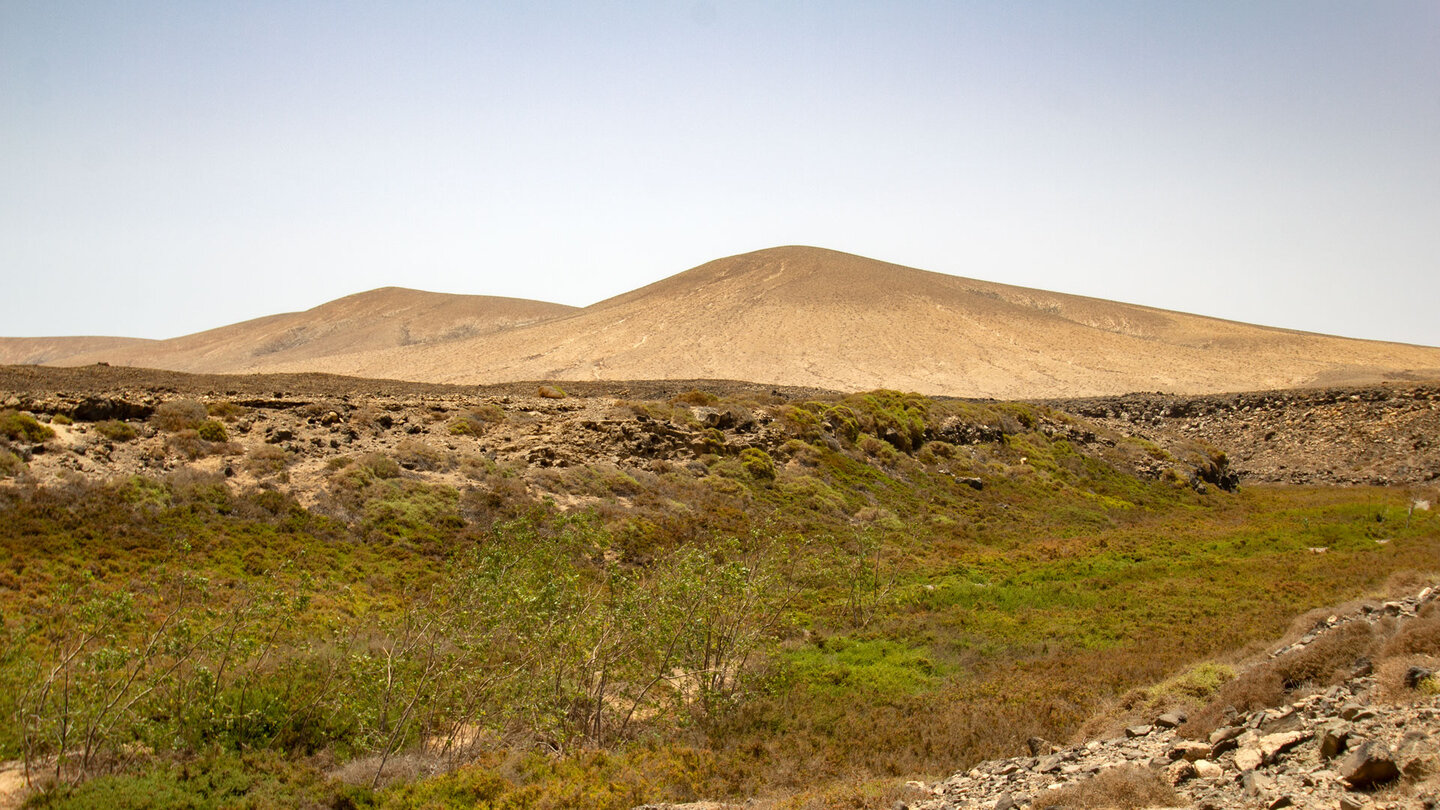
22 426
62 419
758 463
212 431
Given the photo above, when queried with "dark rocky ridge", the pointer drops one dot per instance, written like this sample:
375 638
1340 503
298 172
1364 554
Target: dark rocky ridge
1382 434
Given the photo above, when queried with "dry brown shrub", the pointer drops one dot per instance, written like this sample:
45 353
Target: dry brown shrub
694 397
415 455
1127 786
179 414
1328 658
1419 636
1390 677
227 411
267 459
188 443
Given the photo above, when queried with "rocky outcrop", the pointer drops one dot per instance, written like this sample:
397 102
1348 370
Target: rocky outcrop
1341 747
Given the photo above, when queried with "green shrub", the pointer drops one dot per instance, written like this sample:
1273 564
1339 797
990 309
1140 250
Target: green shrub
62 419
212 431
758 463
115 430
21 426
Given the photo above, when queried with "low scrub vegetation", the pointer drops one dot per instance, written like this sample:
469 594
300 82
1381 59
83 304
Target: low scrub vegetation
902 588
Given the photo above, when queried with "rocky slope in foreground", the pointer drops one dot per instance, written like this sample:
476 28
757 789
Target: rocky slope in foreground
1344 747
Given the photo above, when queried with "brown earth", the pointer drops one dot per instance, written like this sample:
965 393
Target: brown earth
796 316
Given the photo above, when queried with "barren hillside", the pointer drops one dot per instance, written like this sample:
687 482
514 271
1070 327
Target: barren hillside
797 316
391 317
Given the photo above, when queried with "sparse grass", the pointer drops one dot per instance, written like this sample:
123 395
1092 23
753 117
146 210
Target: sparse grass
226 411
115 430
267 459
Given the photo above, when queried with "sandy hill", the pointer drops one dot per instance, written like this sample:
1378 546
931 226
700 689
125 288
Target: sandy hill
802 316
390 317
46 350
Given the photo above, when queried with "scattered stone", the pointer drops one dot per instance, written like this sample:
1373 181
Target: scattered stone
1039 746
1182 771
1205 769
1332 741
1255 783
1248 759
1273 745
1190 750
1138 731
1170 719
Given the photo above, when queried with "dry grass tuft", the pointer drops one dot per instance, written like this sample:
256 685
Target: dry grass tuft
1126 787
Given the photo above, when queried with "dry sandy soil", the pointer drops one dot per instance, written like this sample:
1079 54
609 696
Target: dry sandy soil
794 316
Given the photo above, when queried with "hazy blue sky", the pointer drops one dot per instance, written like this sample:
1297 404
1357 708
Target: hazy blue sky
168 167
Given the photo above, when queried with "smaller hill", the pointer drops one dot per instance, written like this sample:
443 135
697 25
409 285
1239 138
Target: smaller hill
43 350
387 318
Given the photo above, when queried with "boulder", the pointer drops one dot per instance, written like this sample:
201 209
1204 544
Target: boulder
1205 769
1138 731
1367 765
1273 745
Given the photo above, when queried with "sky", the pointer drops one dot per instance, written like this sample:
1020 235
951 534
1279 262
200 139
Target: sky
171 167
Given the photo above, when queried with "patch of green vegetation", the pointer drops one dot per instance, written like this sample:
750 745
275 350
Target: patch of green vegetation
22 426
212 431
838 666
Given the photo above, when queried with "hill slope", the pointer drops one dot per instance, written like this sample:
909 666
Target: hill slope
390 317
802 316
